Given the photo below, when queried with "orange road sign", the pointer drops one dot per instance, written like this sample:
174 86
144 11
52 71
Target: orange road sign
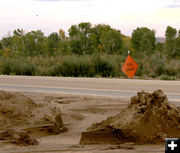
130 67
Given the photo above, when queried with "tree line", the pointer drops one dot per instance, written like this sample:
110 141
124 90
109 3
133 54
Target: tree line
85 39
90 51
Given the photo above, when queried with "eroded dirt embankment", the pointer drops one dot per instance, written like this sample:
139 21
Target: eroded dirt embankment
18 113
149 118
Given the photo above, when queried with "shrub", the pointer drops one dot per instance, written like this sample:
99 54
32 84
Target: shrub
28 69
167 77
6 67
153 66
103 67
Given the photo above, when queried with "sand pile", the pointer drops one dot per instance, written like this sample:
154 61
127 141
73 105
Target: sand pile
20 138
18 110
149 118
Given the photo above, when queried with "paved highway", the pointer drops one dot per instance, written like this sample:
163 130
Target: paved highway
90 86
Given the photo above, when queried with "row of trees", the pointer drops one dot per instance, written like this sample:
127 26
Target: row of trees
83 39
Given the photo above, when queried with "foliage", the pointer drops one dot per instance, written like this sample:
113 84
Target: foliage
90 51
143 40
80 41
112 41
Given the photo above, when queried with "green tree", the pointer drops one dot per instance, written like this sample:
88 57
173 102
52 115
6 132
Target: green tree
6 42
170 40
177 45
112 41
96 33
143 40
53 43
160 47
19 32
1 45
80 41
64 43
18 42
34 45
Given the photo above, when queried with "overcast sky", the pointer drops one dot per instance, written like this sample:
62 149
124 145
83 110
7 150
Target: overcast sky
125 15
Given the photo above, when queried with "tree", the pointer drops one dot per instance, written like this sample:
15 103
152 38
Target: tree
143 40
170 32
96 33
18 42
64 42
80 41
6 46
53 43
1 45
177 45
6 42
112 41
62 34
19 32
170 40
160 46
127 43
34 45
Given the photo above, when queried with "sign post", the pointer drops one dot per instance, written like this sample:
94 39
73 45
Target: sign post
130 66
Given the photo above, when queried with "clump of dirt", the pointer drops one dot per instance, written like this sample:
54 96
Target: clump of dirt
149 118
126 146
18 110
58 126
25 139
19 138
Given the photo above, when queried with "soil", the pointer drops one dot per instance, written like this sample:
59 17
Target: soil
18 110
19 138
35 114
148 119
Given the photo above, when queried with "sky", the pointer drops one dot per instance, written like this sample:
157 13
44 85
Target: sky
52 15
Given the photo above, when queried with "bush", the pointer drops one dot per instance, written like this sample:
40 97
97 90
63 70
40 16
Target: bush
28 69
6 67
167 77
17 67
153 66
103 67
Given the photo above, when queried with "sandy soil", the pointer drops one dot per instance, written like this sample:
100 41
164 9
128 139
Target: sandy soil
78 113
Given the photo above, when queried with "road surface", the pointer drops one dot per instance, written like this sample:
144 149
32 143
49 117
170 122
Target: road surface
90 86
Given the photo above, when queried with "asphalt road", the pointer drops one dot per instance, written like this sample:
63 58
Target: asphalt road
90 86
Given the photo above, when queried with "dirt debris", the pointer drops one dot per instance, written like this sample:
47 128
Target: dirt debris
18 110
58 126
126 146
19 138
149 118
19 113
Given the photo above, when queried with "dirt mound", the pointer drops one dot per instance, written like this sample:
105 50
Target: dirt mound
18 110
149 118
19 138
58 126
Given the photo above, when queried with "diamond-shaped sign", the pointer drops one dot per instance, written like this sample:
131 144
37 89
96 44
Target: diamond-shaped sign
130 67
